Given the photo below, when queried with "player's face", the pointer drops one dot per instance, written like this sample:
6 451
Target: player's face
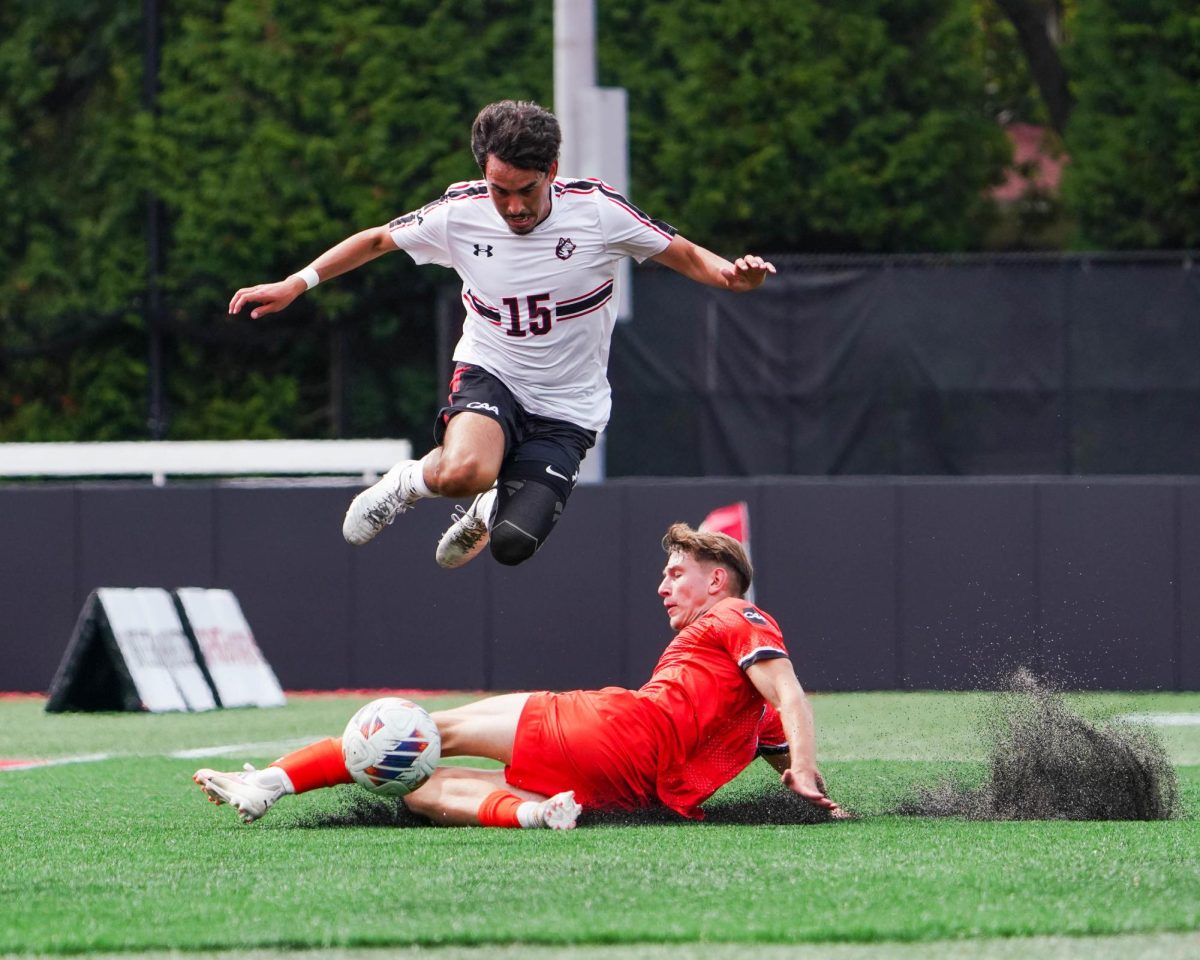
688 589
521 197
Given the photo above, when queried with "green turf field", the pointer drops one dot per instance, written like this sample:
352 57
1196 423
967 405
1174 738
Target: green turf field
123 855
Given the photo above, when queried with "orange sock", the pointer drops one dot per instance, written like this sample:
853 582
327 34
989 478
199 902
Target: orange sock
319 764
499 809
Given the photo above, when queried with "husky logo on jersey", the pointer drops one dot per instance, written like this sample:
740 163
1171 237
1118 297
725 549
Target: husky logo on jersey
565 248
754 616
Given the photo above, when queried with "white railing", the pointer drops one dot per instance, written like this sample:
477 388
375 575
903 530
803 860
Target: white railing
218 458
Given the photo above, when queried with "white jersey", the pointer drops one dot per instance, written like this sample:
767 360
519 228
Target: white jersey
540 305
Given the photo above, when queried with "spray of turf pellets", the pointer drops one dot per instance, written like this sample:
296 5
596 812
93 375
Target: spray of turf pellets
1048 763
777 807
358 808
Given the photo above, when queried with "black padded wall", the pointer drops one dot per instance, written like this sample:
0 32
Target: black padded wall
880 583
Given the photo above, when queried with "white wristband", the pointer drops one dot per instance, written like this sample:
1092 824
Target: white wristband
309 276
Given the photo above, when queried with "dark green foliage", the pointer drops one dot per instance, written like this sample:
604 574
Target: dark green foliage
868 125
1134 180
808 127
72 259
284 129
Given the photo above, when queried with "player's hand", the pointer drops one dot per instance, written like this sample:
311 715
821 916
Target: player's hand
271 297
811 787
748 272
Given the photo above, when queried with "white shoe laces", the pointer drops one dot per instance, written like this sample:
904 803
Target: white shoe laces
463 518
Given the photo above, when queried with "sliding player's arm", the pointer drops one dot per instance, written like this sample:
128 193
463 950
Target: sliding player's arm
776 680
704 266
348 255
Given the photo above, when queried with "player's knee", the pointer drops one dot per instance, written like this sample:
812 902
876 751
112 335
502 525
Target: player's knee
446 789
511 545
450 724
420 802
462 474
525 515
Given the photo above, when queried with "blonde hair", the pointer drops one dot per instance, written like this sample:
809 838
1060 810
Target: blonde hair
711 547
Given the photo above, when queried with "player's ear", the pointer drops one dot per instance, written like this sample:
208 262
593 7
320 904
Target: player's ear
718 579
553 171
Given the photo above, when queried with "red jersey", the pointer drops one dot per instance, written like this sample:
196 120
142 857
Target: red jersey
719 718
691 729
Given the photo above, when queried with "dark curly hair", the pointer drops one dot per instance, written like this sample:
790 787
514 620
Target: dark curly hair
711 547
519 132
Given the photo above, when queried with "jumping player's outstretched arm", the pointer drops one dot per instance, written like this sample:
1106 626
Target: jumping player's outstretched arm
348 255
704 266
776 680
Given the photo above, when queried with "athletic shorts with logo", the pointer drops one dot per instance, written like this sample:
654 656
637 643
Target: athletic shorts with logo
604 745
535 448
688 731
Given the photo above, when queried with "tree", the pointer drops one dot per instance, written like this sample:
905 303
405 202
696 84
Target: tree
284 129
827 127
1134 180
1039 29
858 126
71 259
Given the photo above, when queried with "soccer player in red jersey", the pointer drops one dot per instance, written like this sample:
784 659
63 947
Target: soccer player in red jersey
723 692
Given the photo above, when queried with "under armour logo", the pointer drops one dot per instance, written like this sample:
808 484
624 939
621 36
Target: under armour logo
481 249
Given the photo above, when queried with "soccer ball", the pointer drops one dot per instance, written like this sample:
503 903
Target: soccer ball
391 746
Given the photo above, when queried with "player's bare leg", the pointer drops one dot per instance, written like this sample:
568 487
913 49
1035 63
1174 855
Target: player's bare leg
484 728
467 463
469 459
474 445
468 797
453 795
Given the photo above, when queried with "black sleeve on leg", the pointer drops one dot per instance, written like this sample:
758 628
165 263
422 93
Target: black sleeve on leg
526 512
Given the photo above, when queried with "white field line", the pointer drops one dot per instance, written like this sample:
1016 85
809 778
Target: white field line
242 749
260 749
56 762
1163 719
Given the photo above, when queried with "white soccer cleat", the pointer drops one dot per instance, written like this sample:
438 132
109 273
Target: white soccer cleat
251 792
560 811
378 505
468 534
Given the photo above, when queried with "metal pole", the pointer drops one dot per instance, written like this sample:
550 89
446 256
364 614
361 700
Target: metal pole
156 419
574 72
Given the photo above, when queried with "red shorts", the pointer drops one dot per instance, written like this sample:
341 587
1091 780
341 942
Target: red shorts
603 744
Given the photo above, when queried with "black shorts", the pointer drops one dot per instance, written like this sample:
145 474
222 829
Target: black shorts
538 444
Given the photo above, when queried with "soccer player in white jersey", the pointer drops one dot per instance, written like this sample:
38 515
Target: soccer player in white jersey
538 255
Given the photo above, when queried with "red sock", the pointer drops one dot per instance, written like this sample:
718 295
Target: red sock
499 809
319 764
